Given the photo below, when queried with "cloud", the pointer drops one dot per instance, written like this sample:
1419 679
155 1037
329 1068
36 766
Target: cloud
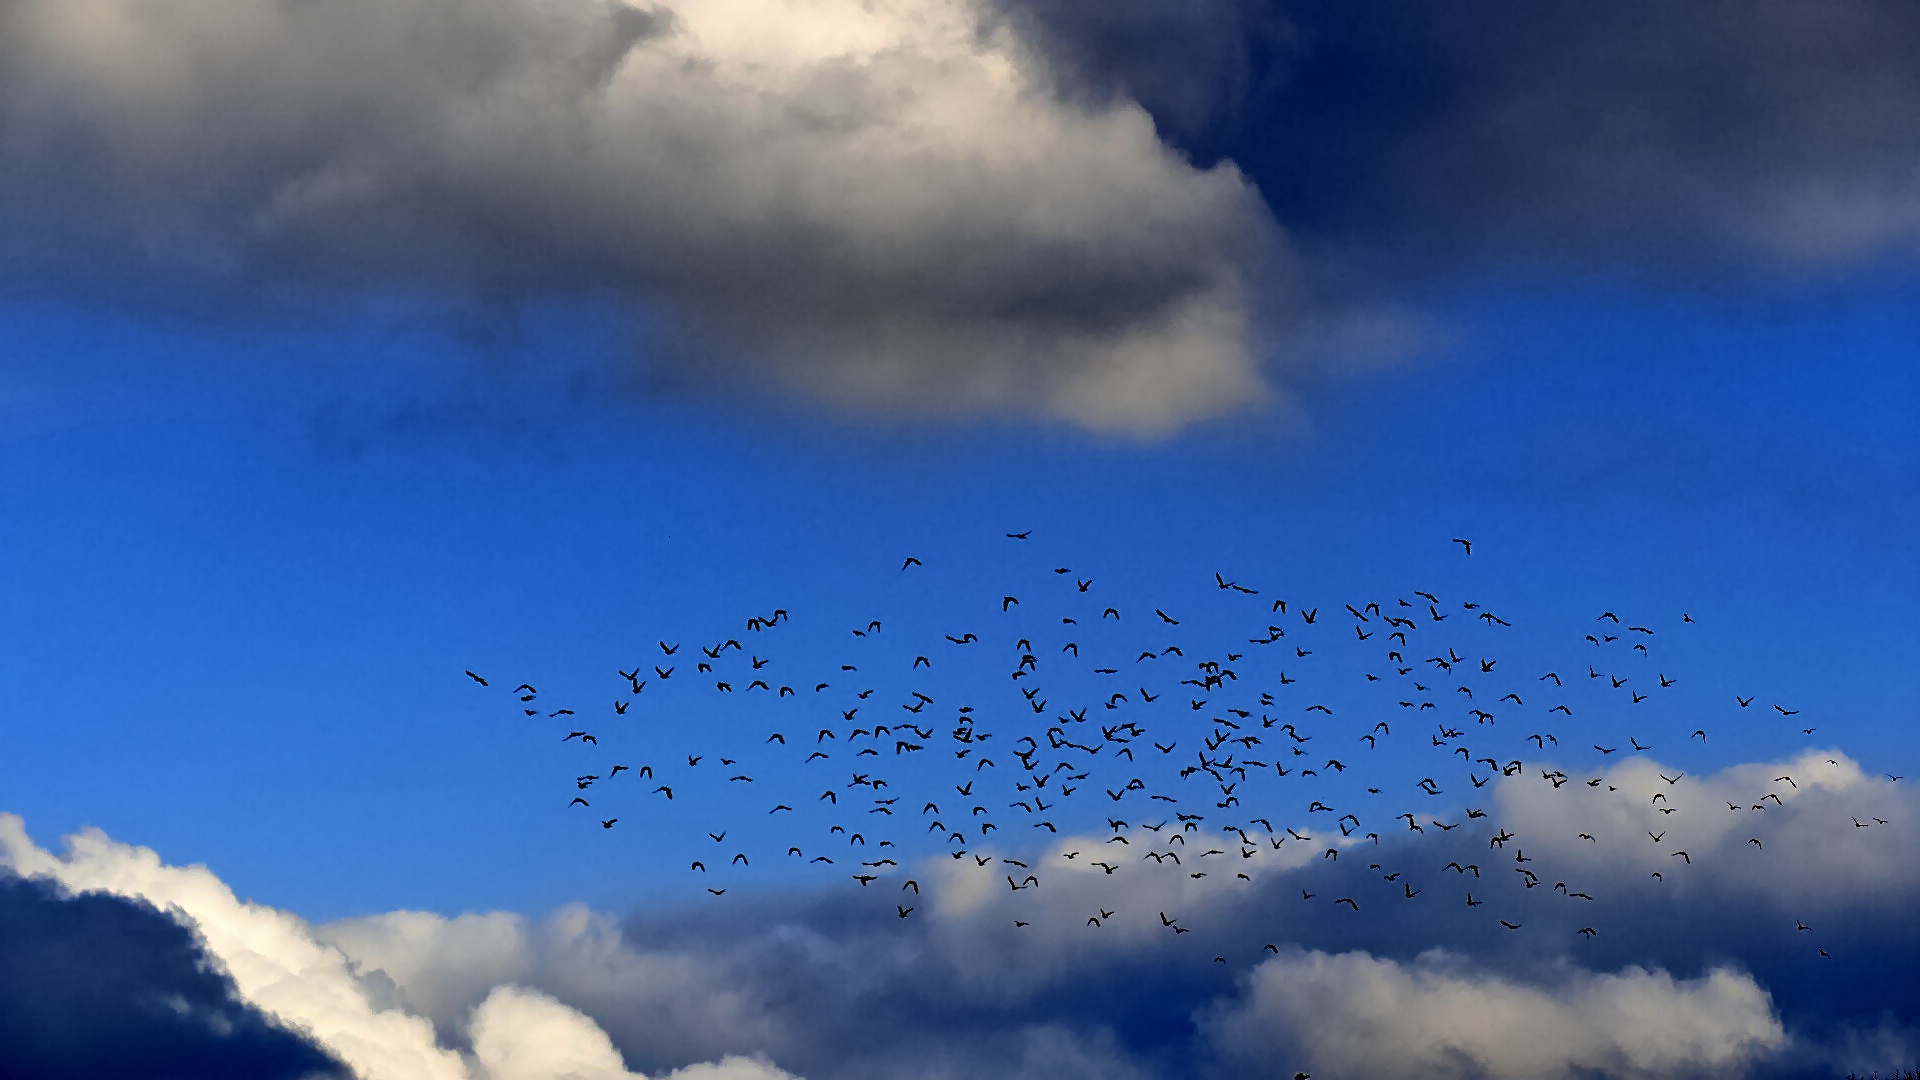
1399 143
1115 214
882 205
669 1006
1815 812
99 986
279 968
521 1034
1702 972
830 984
1354 1015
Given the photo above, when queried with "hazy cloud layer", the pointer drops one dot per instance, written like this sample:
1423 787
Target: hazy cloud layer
883 205
1702 971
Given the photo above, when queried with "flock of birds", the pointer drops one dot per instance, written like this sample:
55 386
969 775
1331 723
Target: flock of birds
1206 746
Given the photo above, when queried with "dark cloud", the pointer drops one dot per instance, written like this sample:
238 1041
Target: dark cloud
93 985
1198 67
1400 139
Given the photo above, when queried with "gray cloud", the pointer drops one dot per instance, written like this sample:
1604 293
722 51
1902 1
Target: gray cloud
884 206
946 207
1401 141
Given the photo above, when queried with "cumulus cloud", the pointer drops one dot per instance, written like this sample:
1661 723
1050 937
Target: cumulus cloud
960 991
278 967
275 964
1354 1015
1846 835
521 1034
1118 214
100 986
1700 973
879 204
668 1006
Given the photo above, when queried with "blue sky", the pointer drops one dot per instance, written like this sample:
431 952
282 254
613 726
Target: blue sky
274 481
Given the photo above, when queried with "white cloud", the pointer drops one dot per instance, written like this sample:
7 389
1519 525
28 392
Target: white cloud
1353 1014
275 963
280 967
883 204
521 1034
676 1006
1821 840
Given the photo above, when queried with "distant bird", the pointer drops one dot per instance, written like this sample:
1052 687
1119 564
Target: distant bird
476 678
1466 545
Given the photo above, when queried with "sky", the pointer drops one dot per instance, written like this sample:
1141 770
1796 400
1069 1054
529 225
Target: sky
350 350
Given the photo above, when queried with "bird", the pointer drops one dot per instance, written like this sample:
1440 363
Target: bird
1466 545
